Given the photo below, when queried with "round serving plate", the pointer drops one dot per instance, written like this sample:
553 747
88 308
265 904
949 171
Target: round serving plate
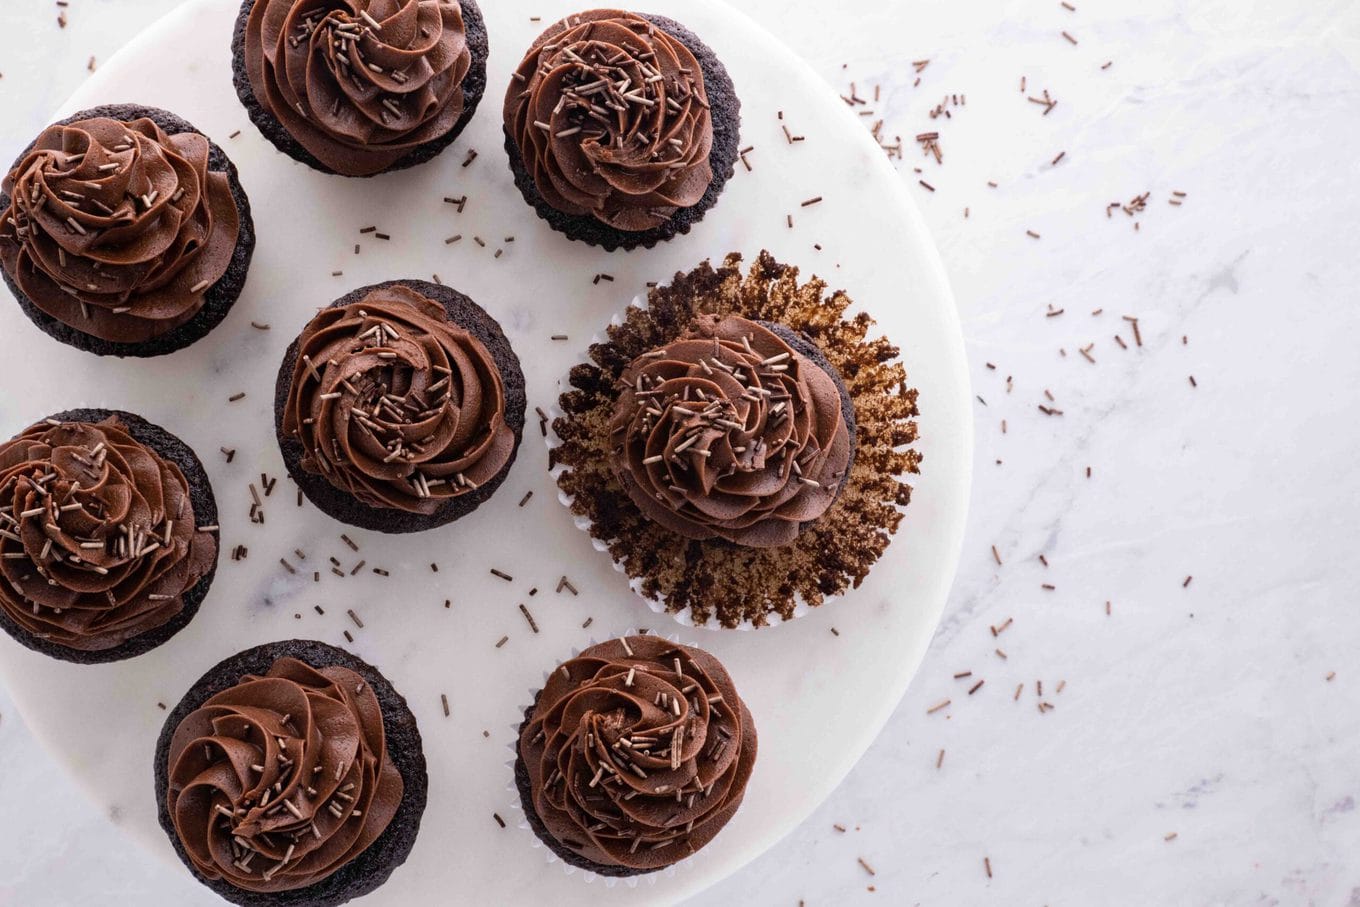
818 698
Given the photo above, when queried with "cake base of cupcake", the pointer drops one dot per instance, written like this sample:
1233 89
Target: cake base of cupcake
205 513
725 111
474 86
712 581
345 507
375 863
217 299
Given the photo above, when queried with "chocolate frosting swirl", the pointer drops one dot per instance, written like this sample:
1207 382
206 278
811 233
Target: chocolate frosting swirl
117 228
638 752
279 781
611 120
395 404
97 536
359 83
729 432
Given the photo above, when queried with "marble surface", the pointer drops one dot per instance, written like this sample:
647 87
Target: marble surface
1197 751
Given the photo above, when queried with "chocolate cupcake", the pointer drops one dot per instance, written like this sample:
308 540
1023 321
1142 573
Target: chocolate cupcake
125 232
362 87
108 536
634 755
737 444
622 128
400 407
291 774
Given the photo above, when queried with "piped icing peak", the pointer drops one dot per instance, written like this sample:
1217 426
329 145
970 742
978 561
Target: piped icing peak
118 228
611 119
98 541
729 432
395 404
280 780
638 752
359 83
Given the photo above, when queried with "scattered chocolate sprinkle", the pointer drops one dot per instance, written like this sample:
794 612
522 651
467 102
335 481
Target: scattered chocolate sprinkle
319 609
349 541
354 617
287 566
505 576
937 706
533 625
1187 581
589 621
927 185
1069 38
558 337
348 637
987 863
229 453
812 201
499 820
524 500
444 699
839 827
996 556
503 641
867 868
1032 234
471 156
1169 836
975 687
239 395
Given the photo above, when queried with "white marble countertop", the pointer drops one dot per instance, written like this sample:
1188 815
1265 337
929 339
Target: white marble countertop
1201 745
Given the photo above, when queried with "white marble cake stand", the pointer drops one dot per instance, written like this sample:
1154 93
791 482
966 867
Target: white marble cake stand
819 699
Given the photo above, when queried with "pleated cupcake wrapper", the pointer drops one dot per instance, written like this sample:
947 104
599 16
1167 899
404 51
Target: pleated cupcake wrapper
684 618
522 824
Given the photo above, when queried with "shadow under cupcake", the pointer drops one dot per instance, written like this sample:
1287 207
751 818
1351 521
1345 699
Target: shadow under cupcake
400 407
739 445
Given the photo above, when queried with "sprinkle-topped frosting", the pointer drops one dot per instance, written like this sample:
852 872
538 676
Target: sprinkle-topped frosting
359 83
117 228
282 779
638 752
395 404
729 432
611 120
98 542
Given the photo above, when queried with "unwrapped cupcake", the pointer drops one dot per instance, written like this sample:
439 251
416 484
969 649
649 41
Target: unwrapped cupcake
737 444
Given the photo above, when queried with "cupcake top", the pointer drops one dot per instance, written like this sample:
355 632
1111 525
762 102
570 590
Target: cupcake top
359 84
98 542
395 404
611 120
729 432
638 752
282 779
117 228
